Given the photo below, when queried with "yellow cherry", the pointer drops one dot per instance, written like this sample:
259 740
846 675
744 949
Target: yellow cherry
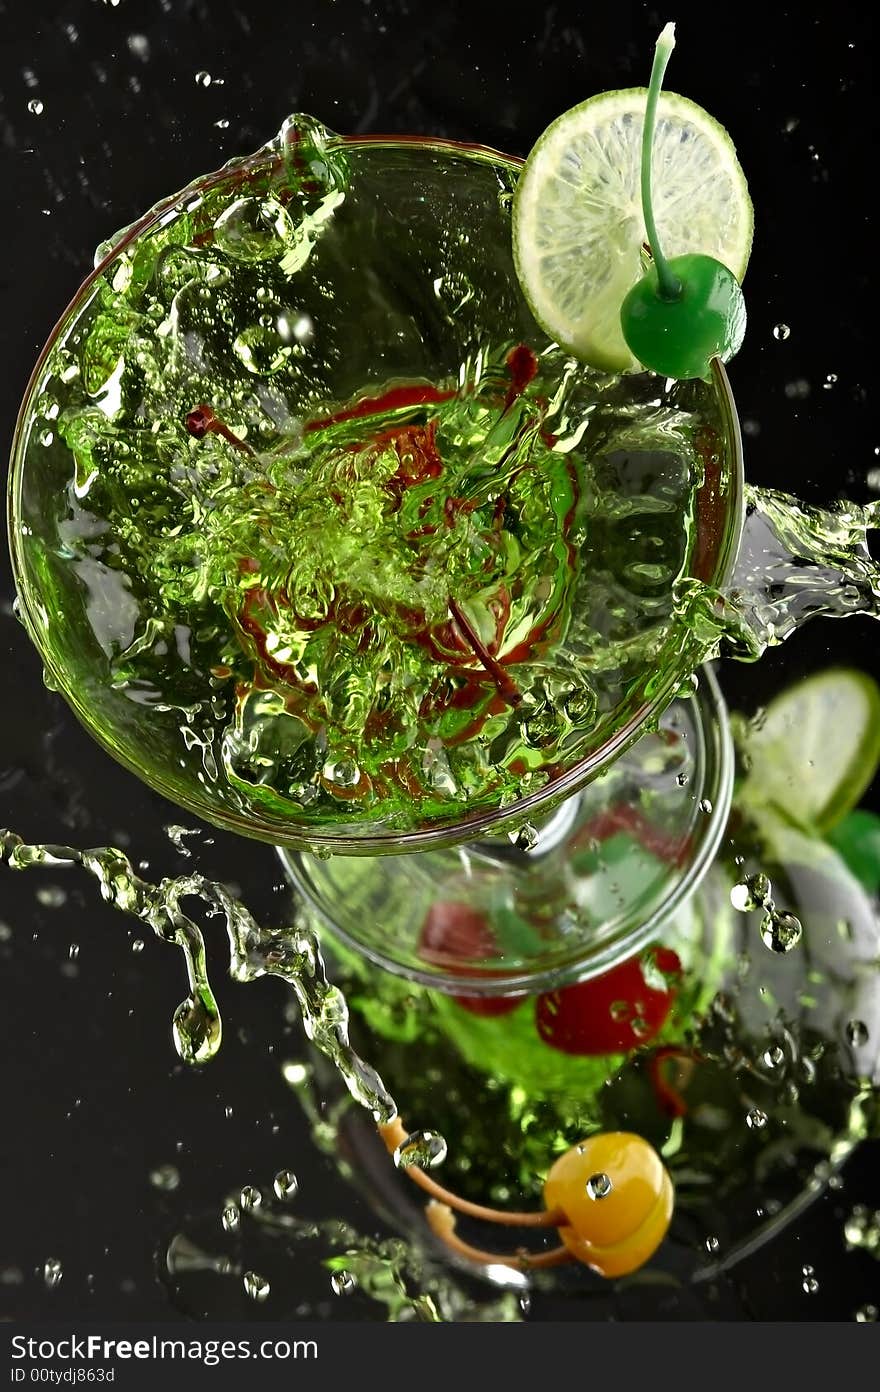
617 1198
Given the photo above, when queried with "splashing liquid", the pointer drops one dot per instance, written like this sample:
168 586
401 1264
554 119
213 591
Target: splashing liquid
353 558
293 955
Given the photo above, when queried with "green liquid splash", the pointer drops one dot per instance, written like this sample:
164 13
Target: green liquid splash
293 954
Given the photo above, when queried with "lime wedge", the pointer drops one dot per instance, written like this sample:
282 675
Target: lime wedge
578 230
816 750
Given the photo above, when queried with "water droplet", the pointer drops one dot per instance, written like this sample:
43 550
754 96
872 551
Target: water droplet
866 1314
222 124
166 1178
296 328
705 805
756 1119
810 1284
203 78
196 1030
256 1287
250 1197
681 779
857 1033
807 1070
342 1282
750 893
35 106
713 1244
781 931
261 350
73 951
781 331
423 1148
51 896
599 1186
620 1010
137 945
798 390
830 380
285 1184
177 834
774 1056
525 838
52 1272
253 229
231 1218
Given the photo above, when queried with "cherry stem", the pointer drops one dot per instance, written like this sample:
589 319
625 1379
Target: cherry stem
507 689
441 1221
669 284
394 1133
203 420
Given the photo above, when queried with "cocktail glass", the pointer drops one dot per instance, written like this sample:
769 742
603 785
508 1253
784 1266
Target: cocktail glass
351 295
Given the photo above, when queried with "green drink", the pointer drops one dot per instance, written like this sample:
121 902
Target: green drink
320 533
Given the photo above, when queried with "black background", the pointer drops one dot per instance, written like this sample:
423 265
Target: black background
92 1096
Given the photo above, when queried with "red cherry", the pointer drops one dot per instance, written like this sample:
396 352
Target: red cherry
454 935
610 1014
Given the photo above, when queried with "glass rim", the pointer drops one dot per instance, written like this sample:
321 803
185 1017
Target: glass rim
281 831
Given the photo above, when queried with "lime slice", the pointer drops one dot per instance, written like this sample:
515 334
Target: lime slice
578 230
816 749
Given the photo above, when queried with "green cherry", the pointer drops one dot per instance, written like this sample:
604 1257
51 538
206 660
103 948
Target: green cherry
679 337
687 311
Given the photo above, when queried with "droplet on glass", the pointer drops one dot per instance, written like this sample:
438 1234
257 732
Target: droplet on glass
35 106
342 1282
52 1272
203 78
781 332
599 1186
423 1148
231 1218
525 838
756 1120
250 1197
